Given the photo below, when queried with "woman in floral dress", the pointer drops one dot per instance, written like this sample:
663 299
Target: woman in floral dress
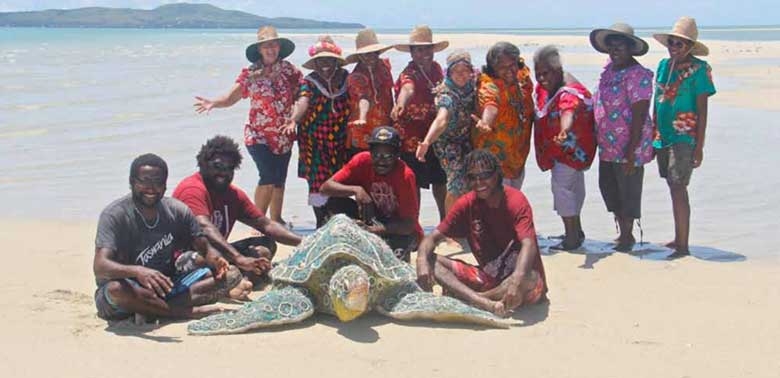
271 83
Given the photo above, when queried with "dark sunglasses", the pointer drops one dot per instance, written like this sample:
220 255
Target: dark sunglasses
482 176
221 167
675 43
383 155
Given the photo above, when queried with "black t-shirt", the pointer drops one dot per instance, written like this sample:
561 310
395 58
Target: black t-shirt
121 228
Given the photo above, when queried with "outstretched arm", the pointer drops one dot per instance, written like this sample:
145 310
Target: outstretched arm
437 127
274 230
488 121
205 105
407 91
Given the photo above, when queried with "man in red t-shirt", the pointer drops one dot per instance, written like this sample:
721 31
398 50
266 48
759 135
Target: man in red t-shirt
498 224
384 188
217 205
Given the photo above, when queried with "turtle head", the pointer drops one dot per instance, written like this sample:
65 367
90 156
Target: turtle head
349 289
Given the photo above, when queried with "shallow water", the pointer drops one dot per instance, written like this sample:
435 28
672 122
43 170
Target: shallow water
75 111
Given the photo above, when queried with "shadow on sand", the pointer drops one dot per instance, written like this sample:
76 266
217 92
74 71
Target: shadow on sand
595 250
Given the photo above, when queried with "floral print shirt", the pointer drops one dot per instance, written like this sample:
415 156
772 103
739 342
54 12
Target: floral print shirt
617 91
272 98
420 111
675 100
510 141
376 86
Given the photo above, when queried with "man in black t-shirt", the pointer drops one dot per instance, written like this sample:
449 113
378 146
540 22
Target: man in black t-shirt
137 237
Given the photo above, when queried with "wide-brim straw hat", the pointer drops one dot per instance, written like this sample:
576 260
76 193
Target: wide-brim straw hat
268 34
422 35
685 28
366 42
598 38
325 47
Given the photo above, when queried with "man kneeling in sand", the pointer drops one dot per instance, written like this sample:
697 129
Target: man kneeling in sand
498 224
138 236
217 206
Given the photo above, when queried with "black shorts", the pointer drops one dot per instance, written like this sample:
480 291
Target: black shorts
271 168
428 172
675 163
622 193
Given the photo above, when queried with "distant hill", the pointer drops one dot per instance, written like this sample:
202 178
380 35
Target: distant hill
181 15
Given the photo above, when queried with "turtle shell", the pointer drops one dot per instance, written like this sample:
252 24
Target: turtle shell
340 242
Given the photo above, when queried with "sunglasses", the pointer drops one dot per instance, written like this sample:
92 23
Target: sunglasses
220 166
482 176
383 155
675 43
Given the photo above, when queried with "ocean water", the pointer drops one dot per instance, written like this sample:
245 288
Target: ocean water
77 105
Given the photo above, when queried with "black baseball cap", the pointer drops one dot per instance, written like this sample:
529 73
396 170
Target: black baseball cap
385 135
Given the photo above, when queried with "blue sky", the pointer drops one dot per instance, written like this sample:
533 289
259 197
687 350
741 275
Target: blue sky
472 13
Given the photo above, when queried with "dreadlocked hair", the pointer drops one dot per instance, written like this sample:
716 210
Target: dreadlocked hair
151 160
219 145
485 159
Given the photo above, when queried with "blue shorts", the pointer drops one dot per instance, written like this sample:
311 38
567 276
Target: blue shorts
271 168
107 308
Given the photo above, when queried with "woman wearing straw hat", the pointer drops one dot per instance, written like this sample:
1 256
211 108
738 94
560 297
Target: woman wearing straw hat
624 129
321 113
271 83
370 86
415 110
683 86
450 132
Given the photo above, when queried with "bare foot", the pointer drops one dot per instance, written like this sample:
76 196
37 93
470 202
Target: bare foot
678 255
494 307
625 244
241 291
671 245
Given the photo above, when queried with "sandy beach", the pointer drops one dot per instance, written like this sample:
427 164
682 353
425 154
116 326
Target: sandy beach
608 316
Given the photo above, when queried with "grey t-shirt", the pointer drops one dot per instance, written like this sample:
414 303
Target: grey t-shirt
121 228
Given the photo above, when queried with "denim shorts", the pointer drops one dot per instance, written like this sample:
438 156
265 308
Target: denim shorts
271 168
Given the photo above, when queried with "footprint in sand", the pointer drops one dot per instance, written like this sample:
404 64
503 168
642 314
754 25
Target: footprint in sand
78 305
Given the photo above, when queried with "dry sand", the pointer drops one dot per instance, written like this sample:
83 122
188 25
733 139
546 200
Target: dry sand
625 317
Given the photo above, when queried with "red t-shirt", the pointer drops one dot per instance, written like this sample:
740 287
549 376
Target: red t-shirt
223 208
394 194
489 230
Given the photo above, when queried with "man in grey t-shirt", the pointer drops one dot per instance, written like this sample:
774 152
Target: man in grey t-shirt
137 237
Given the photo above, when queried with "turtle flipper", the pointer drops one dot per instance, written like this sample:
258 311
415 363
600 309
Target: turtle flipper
428 306
278 306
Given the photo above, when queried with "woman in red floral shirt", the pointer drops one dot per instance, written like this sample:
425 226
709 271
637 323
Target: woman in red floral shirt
272 84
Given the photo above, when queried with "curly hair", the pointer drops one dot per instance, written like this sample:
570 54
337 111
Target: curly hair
219 145
485 159
498 50
151 160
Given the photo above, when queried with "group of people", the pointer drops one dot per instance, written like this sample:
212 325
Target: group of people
368 144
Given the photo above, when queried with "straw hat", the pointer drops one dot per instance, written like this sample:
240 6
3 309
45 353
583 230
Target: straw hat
422 35
685 28
366 42
324 48
598 38
268 34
